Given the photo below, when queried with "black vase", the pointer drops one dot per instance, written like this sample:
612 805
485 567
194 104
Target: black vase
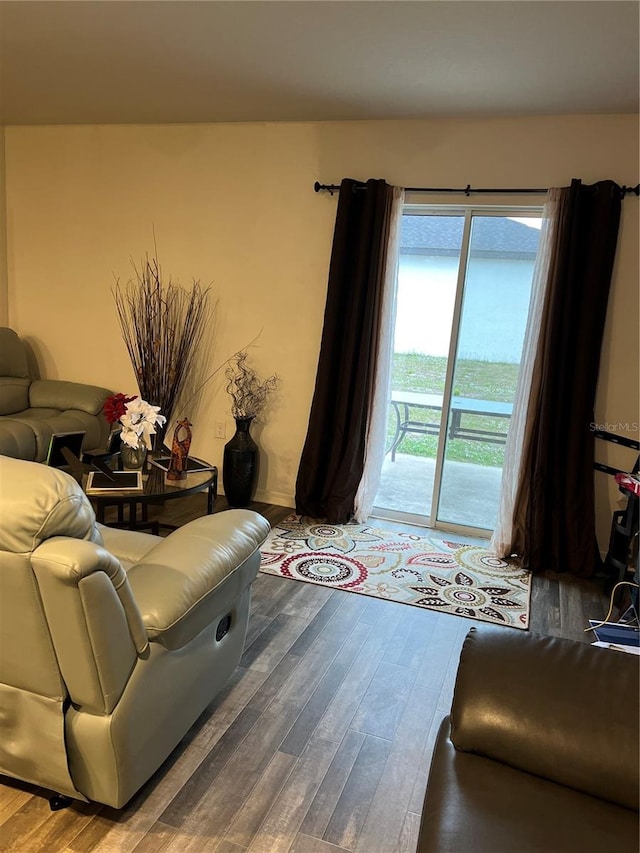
240 465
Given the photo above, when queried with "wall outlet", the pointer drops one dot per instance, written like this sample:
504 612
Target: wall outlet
221 429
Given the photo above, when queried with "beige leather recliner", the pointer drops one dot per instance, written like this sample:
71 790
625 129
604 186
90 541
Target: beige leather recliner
112 642
32 410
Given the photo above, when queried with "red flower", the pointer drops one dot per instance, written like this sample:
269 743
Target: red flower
114 407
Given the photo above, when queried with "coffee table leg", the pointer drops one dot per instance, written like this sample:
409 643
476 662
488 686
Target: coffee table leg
212 493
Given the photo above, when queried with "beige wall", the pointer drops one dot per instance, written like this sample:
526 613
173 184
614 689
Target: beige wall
4 307
233 205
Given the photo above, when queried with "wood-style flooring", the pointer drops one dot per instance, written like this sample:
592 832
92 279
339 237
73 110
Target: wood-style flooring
321 741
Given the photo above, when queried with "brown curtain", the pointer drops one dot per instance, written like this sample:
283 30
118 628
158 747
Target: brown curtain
333 456
554 513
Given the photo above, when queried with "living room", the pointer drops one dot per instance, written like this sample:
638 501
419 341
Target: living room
231 203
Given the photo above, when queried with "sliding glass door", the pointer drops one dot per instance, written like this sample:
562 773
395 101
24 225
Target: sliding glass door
464 285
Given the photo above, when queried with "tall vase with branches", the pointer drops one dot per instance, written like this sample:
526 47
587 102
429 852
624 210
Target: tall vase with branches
241 457
163 325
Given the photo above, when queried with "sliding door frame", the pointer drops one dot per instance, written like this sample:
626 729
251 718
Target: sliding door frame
468 211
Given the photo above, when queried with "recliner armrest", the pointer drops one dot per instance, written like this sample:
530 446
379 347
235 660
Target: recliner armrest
129 546
58 394
95 625
196 574
563 710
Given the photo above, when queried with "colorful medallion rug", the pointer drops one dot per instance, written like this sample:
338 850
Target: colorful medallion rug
426 571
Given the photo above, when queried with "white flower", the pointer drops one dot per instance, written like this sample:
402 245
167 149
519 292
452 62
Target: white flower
139 422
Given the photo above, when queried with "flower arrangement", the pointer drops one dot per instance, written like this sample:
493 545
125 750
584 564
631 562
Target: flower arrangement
137 418
248 393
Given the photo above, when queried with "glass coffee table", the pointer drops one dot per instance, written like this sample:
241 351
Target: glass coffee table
132 507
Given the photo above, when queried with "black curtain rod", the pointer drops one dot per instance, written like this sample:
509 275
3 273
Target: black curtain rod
332 188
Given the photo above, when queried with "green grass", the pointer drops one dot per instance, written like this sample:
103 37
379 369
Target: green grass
481 380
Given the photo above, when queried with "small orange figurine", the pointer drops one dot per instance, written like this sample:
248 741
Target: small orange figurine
180 451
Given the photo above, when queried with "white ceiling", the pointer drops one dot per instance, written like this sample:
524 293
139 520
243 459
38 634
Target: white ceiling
164 61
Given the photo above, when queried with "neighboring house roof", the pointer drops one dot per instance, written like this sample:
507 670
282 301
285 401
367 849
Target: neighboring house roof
491 237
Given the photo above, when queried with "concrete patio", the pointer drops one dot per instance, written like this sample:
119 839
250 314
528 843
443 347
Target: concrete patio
469 493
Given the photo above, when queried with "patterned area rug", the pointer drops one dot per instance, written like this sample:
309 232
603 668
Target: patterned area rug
426 571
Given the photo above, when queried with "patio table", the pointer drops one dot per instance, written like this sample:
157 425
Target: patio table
404 401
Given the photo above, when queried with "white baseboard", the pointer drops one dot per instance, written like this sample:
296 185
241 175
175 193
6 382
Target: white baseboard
263 496
277 498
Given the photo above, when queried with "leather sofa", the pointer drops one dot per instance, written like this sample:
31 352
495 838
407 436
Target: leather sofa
112 642
540 751
31 410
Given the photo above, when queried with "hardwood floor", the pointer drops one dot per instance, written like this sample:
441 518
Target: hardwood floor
320 742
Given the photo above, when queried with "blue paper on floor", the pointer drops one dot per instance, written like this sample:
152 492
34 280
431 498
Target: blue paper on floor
615 632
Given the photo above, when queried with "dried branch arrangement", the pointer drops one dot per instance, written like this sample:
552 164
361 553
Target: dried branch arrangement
248 393
162 325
